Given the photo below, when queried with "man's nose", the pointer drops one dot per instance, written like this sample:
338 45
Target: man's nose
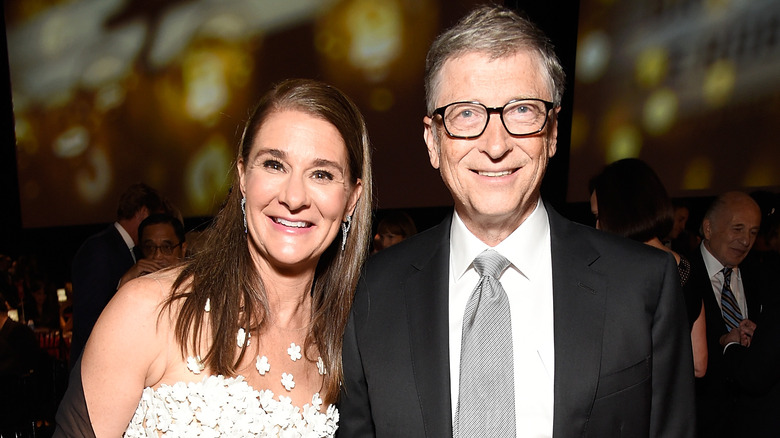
495 143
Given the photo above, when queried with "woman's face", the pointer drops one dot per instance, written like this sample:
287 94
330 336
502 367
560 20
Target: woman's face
297 189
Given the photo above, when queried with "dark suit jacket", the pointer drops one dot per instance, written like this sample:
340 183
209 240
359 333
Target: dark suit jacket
755 374
715 399
623 364
97 267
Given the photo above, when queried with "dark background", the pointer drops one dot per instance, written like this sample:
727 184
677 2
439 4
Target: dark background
394 163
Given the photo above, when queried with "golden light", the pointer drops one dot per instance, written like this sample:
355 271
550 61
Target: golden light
651 66
719 82
93 182
206 175
698 174
624 142
660 111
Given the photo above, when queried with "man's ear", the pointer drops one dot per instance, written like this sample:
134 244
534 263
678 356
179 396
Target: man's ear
142 214
706 228
553 137
431 141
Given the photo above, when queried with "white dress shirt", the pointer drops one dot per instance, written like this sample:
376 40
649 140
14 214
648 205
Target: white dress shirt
528 284
714 271
126 237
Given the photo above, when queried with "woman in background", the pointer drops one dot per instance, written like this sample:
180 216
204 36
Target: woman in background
244 339
628 199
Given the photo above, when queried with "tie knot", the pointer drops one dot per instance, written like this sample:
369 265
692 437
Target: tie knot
727 273
490 264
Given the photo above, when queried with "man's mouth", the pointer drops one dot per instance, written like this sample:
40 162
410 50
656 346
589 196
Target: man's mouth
494 174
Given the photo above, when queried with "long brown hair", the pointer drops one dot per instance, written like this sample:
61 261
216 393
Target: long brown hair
224 273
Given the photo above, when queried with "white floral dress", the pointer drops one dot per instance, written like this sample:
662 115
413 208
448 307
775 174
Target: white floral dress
227 407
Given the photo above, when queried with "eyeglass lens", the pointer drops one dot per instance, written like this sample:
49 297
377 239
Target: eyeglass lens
166 248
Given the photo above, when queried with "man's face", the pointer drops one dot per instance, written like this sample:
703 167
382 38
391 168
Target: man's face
494 178
159 242
730 234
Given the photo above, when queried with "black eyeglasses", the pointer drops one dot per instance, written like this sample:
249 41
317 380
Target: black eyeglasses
519 117
149 249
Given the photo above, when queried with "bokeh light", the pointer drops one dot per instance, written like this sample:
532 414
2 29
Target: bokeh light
660 112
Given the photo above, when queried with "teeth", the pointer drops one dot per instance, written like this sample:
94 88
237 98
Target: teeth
287 223
483 173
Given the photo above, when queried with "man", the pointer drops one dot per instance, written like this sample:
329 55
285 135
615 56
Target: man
599 345
103 258
162 245
729 227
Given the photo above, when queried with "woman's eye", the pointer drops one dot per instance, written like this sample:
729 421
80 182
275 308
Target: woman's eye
273 164
321 174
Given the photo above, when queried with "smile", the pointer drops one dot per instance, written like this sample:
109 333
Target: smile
286 223
494 174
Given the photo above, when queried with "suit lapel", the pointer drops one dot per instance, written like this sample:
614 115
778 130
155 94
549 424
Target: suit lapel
579 294
427 309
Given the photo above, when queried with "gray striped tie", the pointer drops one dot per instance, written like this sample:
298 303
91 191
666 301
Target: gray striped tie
486 401
732 316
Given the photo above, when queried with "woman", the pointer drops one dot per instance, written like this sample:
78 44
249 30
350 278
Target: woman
245 339
628 199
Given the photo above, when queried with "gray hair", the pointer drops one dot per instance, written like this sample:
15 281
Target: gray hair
498 32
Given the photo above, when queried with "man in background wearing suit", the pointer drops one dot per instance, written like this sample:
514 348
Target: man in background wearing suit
594 341
730 227
104 257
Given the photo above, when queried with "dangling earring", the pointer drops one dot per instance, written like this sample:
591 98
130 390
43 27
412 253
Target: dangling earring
243 210
345 226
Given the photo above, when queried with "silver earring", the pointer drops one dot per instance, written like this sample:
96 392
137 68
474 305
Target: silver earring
243 210
345 226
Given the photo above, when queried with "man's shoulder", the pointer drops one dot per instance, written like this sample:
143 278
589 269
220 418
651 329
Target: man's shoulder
572 236
415 250
108 237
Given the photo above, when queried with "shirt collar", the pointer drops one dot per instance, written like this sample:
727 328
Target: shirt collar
711 263
522 247
125 235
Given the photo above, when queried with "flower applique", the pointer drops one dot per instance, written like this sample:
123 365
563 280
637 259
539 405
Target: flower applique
321 367
242 337
195 365
294 351
262 365
316 401
287 381
207 307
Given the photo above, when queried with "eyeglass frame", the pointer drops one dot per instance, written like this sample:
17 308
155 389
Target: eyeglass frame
493 110
158 248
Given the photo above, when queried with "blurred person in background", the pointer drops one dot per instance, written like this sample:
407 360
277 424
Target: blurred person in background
394 227
628 199
162 242
104 257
